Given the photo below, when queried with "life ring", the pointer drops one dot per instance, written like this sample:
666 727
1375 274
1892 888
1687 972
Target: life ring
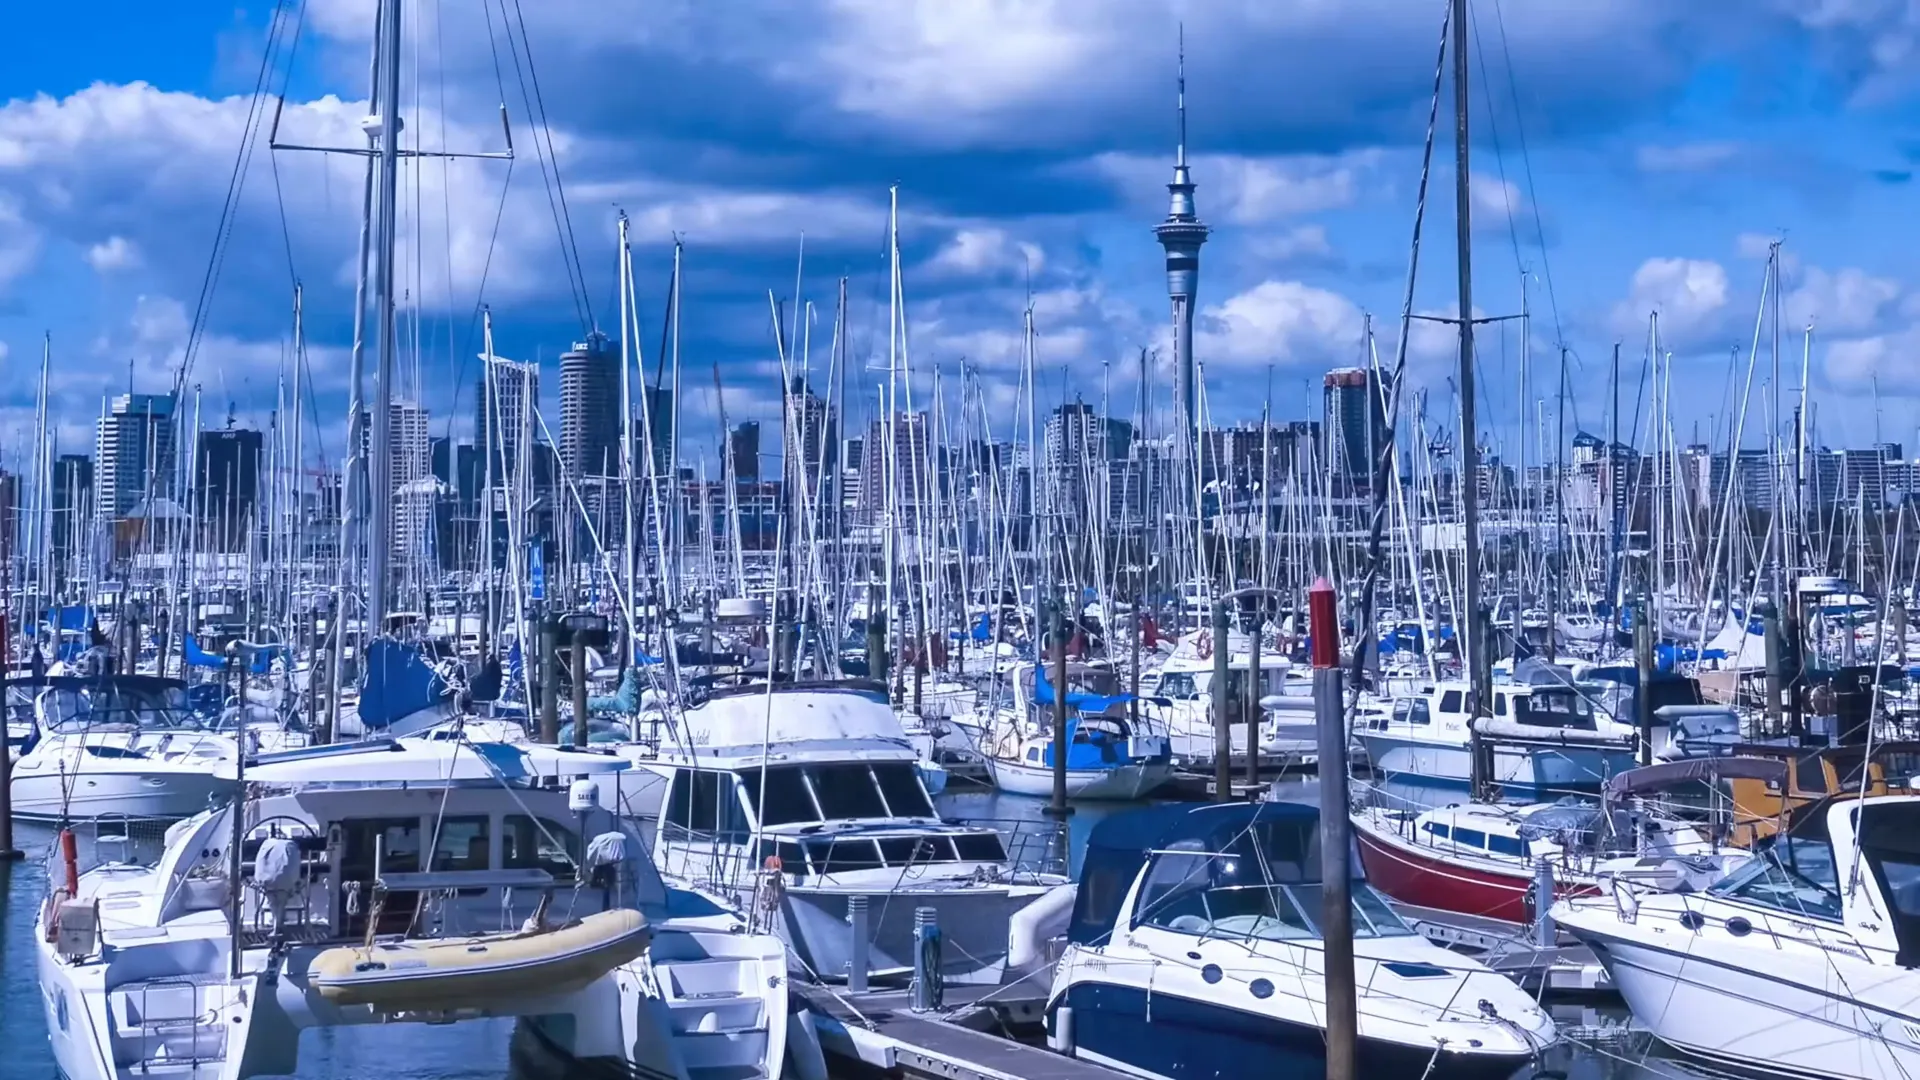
1203 645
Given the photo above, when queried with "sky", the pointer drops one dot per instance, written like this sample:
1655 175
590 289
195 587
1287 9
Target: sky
1632 164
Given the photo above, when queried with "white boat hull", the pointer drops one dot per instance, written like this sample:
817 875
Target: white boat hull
1772 1019
53 796
1513 766
1122 782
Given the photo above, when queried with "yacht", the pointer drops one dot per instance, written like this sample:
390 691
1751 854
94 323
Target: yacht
1800 964
1546 737
1179 697
810 788
1107 757
392 882
1195 951
115 746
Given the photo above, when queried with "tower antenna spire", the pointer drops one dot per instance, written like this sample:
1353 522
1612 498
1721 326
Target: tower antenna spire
1180 153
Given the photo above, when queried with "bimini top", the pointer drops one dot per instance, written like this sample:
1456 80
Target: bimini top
420 762
1122 844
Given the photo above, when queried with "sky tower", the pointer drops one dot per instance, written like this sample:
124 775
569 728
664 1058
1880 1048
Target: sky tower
1181 235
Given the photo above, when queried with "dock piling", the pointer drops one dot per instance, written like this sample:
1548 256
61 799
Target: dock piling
927 989
859 963
1544 934
1336 880
1222 704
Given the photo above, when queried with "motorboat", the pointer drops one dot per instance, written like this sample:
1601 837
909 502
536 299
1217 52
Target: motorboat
116 746
1195 952
1107 757
1544 737
1179 697
811 788
394 882
1801 964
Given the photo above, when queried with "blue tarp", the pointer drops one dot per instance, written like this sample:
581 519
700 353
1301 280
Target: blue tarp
399 684
983 627
1077 699
73 617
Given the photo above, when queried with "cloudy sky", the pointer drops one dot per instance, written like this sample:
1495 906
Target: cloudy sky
1631 157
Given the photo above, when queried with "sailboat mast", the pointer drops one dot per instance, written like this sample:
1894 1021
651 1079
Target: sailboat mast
1478 662
381 493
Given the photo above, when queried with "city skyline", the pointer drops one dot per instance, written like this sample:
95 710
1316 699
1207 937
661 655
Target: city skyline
1308 203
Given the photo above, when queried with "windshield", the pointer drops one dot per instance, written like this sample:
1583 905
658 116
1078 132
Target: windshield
113 706
1794 874
1262 883
797 794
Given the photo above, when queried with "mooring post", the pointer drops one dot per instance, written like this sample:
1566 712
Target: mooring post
580 685
1336 871
858 962
927 990
1544 935
1643 662
1255 687
8 852
1222 704
1058 807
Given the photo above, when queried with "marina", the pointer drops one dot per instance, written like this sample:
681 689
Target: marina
971 732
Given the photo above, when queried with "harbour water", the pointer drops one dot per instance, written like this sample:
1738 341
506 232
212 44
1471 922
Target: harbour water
1603 1047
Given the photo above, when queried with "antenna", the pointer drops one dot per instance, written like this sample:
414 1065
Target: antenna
1180 153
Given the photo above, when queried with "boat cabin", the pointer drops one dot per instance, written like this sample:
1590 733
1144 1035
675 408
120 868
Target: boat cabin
1814 773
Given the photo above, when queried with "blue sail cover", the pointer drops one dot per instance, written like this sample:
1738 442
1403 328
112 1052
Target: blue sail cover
1076 699
71 617
261 664
399 684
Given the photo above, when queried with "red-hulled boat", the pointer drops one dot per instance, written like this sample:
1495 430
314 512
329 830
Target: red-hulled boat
1474 859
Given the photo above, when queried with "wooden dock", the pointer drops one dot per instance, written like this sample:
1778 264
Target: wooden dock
877 1033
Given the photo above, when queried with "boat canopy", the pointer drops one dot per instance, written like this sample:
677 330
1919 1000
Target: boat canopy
421 762
1081 700
1120 845
1668 774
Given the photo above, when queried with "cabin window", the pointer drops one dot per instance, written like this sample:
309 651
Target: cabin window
1809 775
979 847
1439 832
842 856
1470 838
693 801
1177 685
1499 704
787 800
529 843
1507 845
900 784
1419 714
1033 754
846 791
460 843
902 851
1450 702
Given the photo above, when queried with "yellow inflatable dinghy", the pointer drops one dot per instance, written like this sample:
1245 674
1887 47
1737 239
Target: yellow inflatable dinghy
479 972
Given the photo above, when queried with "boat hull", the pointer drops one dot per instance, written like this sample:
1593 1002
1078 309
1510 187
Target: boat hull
1168 1036
1761 1016
1122 782
1424 878
1540 768
53 796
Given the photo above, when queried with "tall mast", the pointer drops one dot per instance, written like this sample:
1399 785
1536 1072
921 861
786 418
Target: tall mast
1478 662
381 493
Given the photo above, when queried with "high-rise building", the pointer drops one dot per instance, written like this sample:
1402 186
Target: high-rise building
1180 237
893 481
504 407
814 429
72 503
743 451
412 474
133 453
590 409
227 483
1355 423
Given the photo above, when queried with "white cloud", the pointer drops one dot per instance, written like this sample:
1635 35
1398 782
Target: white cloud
1685 157
1690 296
1886 360
1243 190
114 253
1753 245
1300 243
1495 200
984 250
1279 322
1846 301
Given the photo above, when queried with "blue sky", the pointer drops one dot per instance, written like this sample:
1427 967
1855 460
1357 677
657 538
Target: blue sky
1631 157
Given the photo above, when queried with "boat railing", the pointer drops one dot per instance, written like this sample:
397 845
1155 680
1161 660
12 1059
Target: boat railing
108 839
1037 847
